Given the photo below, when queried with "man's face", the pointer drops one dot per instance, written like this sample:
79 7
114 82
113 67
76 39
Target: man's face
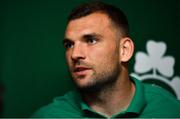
92 51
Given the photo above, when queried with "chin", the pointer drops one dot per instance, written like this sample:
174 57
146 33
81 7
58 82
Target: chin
82 81
89 87
82 84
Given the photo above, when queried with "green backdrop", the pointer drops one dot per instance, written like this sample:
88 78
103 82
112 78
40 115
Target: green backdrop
32 64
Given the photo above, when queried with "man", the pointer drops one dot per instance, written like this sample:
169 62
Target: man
98 48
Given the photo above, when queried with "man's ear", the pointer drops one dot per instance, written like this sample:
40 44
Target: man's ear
126 49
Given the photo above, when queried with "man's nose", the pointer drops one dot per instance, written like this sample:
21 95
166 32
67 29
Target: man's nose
78 52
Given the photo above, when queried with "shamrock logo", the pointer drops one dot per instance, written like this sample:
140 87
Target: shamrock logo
155 67
154 60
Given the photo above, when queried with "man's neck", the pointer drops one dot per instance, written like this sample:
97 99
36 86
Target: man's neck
112 99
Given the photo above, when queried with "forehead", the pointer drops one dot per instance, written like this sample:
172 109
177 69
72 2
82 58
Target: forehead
95 22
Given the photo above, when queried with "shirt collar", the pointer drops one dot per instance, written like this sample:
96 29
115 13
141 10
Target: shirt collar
138 102
136 106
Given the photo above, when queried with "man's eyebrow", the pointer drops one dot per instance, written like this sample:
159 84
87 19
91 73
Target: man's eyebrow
86 36
92 35
65 40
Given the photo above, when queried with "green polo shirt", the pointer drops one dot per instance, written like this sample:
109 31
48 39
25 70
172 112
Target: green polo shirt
149 101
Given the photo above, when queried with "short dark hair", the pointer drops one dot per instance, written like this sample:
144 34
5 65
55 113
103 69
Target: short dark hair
115 14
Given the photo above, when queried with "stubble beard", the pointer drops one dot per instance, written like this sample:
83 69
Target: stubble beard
101 82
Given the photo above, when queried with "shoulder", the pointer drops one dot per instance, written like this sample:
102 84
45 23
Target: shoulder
154 92
160 102
63 106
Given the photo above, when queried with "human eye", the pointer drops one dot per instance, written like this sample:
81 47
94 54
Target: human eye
68 44
91 40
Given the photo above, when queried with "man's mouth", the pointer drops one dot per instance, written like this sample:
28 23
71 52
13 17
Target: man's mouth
81 70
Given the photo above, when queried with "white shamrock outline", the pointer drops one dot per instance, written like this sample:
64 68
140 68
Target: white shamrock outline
155 61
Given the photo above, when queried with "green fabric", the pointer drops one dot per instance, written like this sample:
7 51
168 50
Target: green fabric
149 101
